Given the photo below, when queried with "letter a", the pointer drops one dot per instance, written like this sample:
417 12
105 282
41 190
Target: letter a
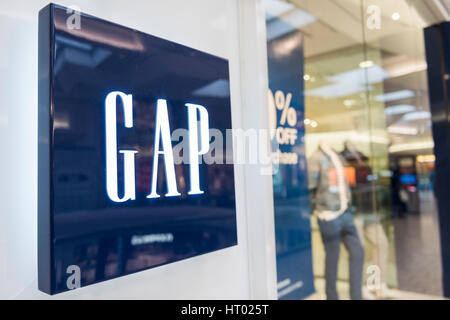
162 131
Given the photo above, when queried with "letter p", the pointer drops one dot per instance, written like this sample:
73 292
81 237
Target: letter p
198 142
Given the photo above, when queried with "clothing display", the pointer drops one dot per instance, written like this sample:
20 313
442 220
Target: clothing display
327 197
331 197
361 189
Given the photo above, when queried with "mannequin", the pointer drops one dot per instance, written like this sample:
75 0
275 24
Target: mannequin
366 222
331 199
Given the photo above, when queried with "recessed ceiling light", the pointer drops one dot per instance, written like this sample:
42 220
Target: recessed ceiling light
349 103
418 115
399 109
402 130
349 83
306 77
396 16
397 95
366 64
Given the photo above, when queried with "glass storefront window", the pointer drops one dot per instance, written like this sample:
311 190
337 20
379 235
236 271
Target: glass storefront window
368 143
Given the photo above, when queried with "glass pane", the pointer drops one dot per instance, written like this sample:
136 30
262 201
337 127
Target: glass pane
336 119
369 145
399 105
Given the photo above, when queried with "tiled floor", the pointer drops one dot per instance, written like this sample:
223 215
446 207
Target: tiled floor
343 290
417 247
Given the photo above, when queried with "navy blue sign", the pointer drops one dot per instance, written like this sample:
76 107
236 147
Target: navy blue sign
291 197
124 125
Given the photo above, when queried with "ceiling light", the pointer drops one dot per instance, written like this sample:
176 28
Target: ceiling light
411 146
399 109
276 8
306 77
349 103
349 82
411 66
393 96
396 16
402 130
366 64
290 20
419 115
219 88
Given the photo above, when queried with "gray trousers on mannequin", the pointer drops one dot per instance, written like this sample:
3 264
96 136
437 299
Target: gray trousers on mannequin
333 234
374 232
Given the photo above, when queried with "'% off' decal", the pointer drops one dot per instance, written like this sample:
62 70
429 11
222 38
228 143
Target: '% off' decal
284 130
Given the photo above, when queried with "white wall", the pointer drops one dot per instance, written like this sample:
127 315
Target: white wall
207 25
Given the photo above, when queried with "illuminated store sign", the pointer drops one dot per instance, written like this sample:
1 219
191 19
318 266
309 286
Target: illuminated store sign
162 133
116 193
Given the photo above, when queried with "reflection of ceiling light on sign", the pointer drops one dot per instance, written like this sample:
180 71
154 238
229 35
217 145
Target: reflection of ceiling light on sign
396 16
306 77
74 43
61 124
419 115
116 38
366 64
399 109
402 130
397 95
218 88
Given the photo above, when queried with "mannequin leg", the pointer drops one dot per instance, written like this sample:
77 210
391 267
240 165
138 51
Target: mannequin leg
359 224
331 238
356 251
380 244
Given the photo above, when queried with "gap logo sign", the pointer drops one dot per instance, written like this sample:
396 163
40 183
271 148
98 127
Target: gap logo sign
125 177
162 134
